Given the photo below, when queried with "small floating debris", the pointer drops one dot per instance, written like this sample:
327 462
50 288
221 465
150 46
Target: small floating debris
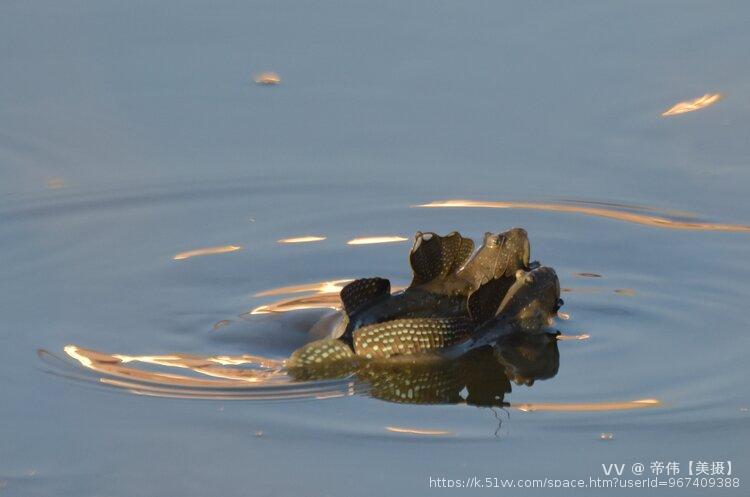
376 239
587 275
563 315
743 409
607 436
267 78
206 251
692 105
417 431
628 292
259 433
302 239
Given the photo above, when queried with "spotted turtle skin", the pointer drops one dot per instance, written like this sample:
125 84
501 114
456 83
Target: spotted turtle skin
410 336
526 306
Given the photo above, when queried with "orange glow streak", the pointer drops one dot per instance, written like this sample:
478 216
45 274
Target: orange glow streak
206 251
582 336
115 365
267 78
416 431
376 239
326 296
302 239
647 220
315 301
589 406
333 286
190 361
72 351
692 105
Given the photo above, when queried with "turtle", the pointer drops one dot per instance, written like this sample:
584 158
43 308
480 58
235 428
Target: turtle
445 274
522 303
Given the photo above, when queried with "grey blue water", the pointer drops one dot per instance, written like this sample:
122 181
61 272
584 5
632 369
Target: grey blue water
146 180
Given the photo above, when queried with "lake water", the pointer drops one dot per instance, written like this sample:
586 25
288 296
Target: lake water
133 135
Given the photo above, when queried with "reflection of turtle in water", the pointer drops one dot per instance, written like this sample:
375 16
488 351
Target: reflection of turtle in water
482 377
455 305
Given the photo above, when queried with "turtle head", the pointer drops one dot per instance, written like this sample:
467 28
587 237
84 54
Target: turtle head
501 254
532 300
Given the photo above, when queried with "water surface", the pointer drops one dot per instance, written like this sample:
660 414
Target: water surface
146 182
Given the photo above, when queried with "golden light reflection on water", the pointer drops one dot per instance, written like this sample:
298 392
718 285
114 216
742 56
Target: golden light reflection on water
268 380
692 105
267 78
321 295
588 406
417 431
207 377
318 301
332 286
376 239
302 239
596 211
206 251
582 336
213 366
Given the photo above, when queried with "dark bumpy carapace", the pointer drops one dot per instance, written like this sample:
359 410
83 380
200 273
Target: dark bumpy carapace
455 304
